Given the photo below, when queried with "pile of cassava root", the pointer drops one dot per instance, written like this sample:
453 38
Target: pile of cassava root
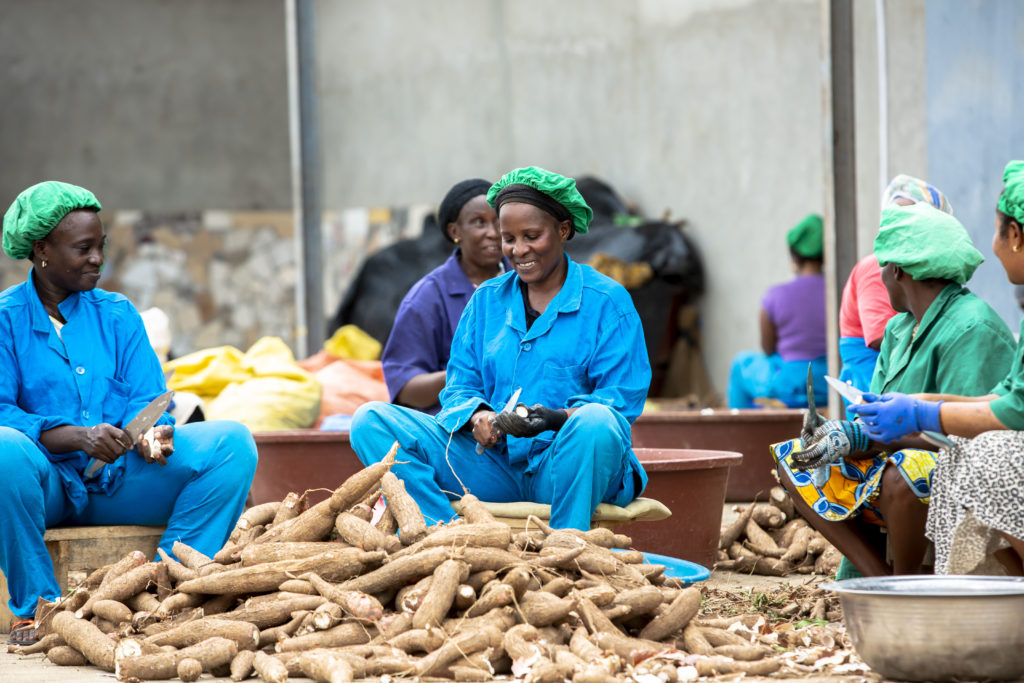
773 540
466 601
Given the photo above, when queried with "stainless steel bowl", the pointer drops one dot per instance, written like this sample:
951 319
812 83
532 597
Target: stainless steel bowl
936 628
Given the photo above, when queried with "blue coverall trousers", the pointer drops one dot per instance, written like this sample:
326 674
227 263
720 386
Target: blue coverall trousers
586 464
199 494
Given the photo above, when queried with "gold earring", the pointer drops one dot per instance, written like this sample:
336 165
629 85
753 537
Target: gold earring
457 240
1016 248
43 264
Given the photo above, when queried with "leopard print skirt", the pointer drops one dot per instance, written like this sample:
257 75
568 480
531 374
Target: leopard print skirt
977 491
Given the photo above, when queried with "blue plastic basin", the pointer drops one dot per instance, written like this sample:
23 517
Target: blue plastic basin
684 570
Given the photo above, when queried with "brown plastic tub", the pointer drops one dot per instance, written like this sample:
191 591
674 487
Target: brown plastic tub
749 432
300 459
692 484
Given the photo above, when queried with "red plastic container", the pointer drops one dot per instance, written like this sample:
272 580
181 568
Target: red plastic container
300 459
749 432
692 484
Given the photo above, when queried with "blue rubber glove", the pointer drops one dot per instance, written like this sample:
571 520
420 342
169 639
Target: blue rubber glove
832 441
890 417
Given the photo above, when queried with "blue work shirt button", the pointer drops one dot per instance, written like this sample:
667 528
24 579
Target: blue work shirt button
85 414
527 346
80 370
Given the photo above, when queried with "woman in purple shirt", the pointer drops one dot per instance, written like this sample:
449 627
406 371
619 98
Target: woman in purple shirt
416 353
792 331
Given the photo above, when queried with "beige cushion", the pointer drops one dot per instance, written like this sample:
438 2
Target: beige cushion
640 510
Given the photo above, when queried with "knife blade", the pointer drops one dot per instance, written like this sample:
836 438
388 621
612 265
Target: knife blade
847 391
138 425
509 407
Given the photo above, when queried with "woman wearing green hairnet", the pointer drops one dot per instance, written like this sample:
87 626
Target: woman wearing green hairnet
942 337
553 334
75 367
976 517
792 331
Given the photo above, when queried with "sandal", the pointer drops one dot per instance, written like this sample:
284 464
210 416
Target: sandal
23 632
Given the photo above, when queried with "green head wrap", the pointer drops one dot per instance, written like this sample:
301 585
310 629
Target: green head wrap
926 243
38 210
805 238
1011 201
559 188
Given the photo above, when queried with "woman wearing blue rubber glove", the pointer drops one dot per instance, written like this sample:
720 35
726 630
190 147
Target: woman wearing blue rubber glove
976 516
926 257
893 416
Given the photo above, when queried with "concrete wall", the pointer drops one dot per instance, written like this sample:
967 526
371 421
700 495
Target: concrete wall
975 103
707 109
162 105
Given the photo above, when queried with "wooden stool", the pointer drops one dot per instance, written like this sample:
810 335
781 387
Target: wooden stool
85 547
606 514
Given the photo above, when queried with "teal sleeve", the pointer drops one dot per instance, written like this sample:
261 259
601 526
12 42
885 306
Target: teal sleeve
1009 407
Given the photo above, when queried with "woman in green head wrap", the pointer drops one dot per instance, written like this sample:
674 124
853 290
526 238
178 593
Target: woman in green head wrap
943 338
792 322
553 335
976 515
77 366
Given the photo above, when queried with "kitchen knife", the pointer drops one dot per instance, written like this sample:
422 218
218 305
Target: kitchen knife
145 419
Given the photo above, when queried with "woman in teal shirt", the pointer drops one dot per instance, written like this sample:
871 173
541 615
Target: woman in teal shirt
976 517
75 367
567 336
943 337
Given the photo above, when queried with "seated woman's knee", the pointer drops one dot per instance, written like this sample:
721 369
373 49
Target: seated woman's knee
893 488
594 416
14 446
367 413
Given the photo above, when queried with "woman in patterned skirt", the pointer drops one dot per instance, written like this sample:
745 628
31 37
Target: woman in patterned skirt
847 487
976 518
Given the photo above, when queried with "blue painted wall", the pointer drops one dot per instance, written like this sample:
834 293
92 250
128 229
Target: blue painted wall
975 58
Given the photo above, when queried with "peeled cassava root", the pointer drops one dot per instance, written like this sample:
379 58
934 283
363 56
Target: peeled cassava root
464 601
768 539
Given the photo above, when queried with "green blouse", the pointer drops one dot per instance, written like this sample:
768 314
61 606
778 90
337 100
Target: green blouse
1009 407
961 347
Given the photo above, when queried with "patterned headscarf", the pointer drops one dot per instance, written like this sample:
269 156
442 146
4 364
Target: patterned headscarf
916 190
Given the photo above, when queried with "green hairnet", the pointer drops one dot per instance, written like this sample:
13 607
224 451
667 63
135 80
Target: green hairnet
1011 201
38 210
558 187
805 238
926 243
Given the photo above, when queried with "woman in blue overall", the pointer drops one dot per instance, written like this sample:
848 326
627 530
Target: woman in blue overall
75 367
565 335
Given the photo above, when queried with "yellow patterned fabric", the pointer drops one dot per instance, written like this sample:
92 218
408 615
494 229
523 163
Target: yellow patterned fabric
853 485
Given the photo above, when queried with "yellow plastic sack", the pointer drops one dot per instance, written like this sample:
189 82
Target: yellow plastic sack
264 388
349 341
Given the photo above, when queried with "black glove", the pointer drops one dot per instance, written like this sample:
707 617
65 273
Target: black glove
525 421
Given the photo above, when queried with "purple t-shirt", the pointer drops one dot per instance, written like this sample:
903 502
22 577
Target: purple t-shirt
797 309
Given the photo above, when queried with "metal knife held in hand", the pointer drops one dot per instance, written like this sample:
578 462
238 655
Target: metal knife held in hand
145 419
509 407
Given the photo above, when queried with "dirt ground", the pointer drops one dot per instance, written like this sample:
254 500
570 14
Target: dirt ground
726 594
